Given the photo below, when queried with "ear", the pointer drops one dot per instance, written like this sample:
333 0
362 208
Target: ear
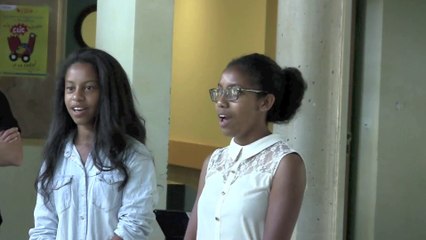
267 102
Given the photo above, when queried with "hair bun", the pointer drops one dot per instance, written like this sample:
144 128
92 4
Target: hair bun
292 92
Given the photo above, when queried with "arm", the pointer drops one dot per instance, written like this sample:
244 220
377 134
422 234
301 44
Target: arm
139 198
11 153
45 220
191 230
116 237
285 199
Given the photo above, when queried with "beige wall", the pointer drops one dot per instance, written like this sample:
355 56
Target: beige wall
207 35
401 178
315 37
17 193
142 43
390 157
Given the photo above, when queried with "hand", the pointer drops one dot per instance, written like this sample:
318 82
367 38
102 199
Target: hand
10 135
116 237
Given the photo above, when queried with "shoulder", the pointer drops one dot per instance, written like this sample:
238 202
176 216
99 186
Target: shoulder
287 153
274 143
134 145
219 151
137 151
280 153
216 156
294 159
278 149
283 146
291 168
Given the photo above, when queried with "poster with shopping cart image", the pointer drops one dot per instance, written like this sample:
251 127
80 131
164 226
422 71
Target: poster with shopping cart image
23 40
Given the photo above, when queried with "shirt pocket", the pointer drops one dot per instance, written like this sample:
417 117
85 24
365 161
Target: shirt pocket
107 194
62 193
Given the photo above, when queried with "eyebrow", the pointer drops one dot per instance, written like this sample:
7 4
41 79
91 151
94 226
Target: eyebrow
229 86
85 82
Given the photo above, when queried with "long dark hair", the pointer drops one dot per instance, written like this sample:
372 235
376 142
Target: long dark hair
286 84
116 117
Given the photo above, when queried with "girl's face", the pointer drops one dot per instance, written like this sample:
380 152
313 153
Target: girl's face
245 118
81 94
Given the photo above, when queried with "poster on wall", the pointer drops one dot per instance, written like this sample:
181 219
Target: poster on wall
23 40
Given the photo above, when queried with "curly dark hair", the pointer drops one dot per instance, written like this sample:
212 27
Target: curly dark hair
116 118
286 84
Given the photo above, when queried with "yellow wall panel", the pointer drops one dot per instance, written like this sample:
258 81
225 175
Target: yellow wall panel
207 35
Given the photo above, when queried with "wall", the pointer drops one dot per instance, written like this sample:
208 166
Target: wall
74 8
363 182
207 35
390 159
401 213
140 37
17 193
315 37
30 99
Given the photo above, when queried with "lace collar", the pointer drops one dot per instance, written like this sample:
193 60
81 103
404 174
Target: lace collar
247 151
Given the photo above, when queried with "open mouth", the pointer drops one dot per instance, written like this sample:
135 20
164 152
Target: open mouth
78 109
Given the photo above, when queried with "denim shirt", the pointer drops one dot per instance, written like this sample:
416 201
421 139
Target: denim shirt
87 204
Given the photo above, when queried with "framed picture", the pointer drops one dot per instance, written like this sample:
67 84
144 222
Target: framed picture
30 96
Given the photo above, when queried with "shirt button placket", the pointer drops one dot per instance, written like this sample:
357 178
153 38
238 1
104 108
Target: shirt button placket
221 201
217 217
83 207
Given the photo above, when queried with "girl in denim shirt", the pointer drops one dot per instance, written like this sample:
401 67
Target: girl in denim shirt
98 178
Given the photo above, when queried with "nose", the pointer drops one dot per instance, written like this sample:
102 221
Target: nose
78 95
221 101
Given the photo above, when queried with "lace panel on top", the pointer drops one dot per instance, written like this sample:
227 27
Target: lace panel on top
266 161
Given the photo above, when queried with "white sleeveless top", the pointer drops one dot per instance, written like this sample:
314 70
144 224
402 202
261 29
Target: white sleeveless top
238 181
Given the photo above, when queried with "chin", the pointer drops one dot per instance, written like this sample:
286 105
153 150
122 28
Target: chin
227 133
82 123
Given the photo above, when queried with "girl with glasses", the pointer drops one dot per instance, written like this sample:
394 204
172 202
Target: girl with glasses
253 188
98 179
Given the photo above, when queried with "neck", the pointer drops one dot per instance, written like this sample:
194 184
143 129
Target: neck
245 140
84 136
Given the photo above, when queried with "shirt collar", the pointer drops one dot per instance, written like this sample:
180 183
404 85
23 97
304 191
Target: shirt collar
253 148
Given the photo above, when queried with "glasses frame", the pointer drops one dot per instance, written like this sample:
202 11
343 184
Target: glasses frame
230 97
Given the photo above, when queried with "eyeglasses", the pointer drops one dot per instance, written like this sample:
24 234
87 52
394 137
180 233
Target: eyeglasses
231 94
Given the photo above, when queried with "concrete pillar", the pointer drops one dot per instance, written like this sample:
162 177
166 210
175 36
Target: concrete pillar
139 34
315 36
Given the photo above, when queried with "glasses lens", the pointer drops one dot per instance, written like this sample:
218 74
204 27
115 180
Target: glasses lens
232 93
214 94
